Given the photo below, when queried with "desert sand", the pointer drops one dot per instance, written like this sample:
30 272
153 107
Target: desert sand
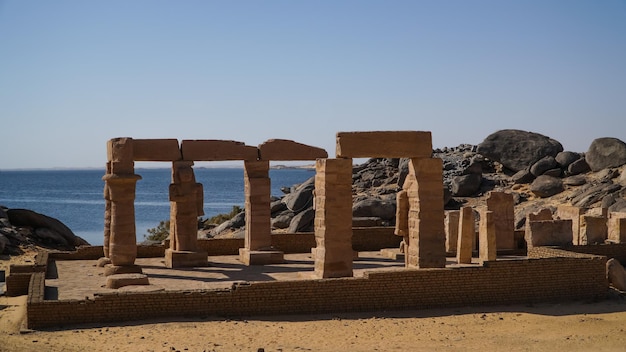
572 326
566 326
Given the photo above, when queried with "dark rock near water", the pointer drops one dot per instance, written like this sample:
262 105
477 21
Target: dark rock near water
302 197
516 149
283 220
605 153
29 218
303 222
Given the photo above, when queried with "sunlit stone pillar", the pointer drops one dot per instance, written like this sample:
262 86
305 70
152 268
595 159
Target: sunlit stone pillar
258 236
467 232
186 203
107 221
333 218
502 206
487 236
427 238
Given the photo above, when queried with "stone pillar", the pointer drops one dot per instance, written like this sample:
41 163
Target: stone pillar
593 229
427 238
121 187
467 232
452 230
617 228
258 236
107 221
186 205
487 236
333 218
575 214
502 206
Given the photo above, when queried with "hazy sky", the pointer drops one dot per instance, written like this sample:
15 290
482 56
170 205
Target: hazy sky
74 74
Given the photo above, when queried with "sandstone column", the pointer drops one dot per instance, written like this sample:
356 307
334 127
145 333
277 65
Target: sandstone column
333 218
258 237
186 203
617 228
107 221
452 230
575 214
467 233
427 238
402 221
487 235
502 204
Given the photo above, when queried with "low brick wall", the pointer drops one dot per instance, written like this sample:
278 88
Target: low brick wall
614 250
553 276
18 279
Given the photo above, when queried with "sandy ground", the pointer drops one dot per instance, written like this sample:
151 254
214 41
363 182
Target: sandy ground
572 326
578 326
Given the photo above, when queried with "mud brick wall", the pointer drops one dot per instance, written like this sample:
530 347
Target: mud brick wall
613 250
17 284
497 282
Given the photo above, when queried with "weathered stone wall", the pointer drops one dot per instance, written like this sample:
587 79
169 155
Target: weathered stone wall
500 282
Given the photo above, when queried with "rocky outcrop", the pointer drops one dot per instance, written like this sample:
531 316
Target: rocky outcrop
616 274
516 149
605 153
26 228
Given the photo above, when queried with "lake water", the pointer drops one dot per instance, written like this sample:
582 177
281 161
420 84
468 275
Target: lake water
75 197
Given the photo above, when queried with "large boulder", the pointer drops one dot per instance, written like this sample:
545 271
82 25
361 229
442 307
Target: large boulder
466 185
516 149
374 207
606 152
302 197
24 217
546 186
303 221
566 158
4 242
542 165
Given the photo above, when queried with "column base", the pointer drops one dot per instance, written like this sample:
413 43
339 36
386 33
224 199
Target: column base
185 259
103 261
355 254
121 280
111 269
264 257
327 267
392 253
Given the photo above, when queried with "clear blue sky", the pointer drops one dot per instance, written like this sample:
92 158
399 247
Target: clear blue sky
74 74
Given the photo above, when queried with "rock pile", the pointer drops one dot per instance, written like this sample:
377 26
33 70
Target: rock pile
533 167
21 227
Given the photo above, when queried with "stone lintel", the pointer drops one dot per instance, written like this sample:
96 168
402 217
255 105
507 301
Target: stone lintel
185 259
261 257
156 150
384 144
217 150
283 149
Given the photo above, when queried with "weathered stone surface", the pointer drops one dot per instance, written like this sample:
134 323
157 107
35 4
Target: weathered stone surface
257 188
110 269
303 221
549 233
4 242
427 237
466 185
593 230
606 152
24 217
523 176
616 274
215 150
121 280
402 213
542 165
283 149
333 218
577 180
579 166
575 214
617 228
566 158
186 203
384 144
451 223
374 207
156 150
556 172
502 206
283 220
185 259
302 197
487 235
546 186
516 149
591 194
467 233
